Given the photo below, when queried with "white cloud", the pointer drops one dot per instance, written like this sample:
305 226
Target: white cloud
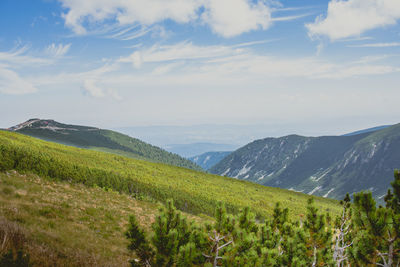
353 17
377 45
225 17
11 83
90 87
127 12
58 50
233 17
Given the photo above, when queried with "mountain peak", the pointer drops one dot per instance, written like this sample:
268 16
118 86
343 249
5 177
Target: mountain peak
25 124
48 124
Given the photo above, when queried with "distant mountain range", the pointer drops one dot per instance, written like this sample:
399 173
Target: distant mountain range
328 166
209 159
195 149
101 140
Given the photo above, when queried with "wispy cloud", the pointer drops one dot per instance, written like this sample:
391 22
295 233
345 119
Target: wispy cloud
227 61
179 51
187 63
90 87
254 43
11 81
59 50
18 57
377 45
290 18
285 9
355 39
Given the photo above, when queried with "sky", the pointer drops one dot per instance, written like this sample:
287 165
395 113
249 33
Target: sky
306 66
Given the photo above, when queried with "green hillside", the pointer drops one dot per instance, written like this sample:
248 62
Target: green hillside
100 140
193 191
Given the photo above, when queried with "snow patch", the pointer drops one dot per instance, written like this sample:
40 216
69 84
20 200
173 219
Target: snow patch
315 190
316 179
330 191
372 153
226 172
347 160
294 190
297 149
243 171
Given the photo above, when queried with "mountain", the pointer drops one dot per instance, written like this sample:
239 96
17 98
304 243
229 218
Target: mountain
209 159
99 139
374 129
328 166
195 149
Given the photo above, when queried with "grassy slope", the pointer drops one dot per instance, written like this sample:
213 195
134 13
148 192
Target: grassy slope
192 191
70 219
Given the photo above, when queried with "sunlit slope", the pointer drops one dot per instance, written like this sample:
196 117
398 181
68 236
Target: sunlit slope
192 191
100 140
70 224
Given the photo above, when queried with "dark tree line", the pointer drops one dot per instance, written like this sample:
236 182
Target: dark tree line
363 235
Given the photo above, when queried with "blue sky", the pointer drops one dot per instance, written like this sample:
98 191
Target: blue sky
321 66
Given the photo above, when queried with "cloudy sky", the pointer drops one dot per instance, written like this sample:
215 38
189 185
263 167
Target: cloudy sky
318 66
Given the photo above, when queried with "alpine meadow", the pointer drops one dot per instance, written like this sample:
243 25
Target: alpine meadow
204 133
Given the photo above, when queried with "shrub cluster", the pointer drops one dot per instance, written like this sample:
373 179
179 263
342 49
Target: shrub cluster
363 235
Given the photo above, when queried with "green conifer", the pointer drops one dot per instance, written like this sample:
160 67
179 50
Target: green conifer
139 244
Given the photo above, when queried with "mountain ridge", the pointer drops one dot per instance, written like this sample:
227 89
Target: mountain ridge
368 130
99 139
327 166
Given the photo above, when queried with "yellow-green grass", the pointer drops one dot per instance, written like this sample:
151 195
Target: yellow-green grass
192 191
74 224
